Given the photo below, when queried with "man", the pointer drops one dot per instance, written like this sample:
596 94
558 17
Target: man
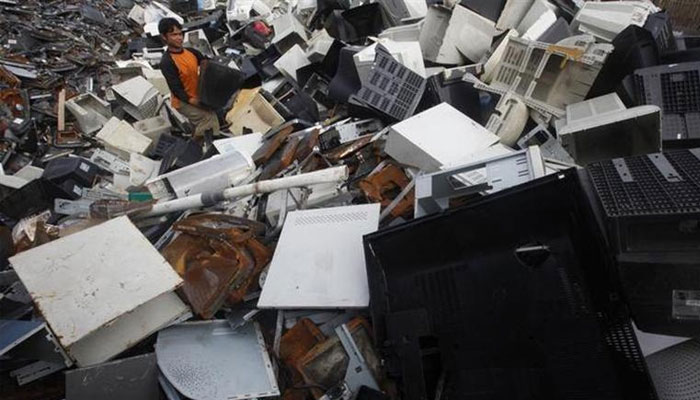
180 66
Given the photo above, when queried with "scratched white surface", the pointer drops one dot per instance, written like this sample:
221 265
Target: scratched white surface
128 330
91 278
319 261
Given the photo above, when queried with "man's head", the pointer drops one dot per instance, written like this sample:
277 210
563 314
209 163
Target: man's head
171 33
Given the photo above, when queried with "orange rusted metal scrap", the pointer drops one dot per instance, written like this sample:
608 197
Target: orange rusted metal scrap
219 259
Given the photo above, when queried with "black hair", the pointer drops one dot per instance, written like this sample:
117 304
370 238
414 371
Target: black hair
166 25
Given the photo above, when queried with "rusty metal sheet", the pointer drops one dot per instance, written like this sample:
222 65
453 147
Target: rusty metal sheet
383 187
349 149
281 160
270 147
219 259
307 145
325 364
299 340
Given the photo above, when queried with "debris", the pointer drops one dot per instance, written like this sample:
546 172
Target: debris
603 128
210 175
133 378
606 20
643 199
436 137
327 242
501 259
433 191
252 112
655 86
95 319
219 258
330 175
121 138
230 364
90 111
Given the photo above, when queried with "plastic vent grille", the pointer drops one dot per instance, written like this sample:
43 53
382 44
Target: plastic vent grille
644 190
331 218
165 145
621 339
676 371
624 347
392 88
675 89
441 294
681 92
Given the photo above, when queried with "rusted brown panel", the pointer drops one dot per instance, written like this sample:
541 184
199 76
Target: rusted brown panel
383 187
218 258
208 281
325 364
281 160
8 77
349 149
268 149
299 340
306 147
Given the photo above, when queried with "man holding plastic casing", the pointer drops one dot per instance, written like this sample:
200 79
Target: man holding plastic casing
180 66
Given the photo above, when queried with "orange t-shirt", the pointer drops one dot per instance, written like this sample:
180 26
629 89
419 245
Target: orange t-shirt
188 68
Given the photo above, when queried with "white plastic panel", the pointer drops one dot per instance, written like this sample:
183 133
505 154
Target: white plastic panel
605 20
213 174
91 279
121 138
246 144
291 61
470 32
319 261
438 136
432 37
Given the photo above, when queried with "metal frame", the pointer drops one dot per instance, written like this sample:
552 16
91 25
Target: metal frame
433 191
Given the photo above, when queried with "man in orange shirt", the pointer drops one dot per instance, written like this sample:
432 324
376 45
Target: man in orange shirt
180 66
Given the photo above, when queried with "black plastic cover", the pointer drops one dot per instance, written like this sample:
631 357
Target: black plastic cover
675 88
31 198
366 20
515 297
217 84
176 152
78 169
346 81
651 205
459 94
659 25
634 48
490 9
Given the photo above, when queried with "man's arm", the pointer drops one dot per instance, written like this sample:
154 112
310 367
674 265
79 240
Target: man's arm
172 76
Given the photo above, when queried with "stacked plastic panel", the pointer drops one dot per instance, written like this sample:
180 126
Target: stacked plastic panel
392 88
676 89
651 208
549 77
